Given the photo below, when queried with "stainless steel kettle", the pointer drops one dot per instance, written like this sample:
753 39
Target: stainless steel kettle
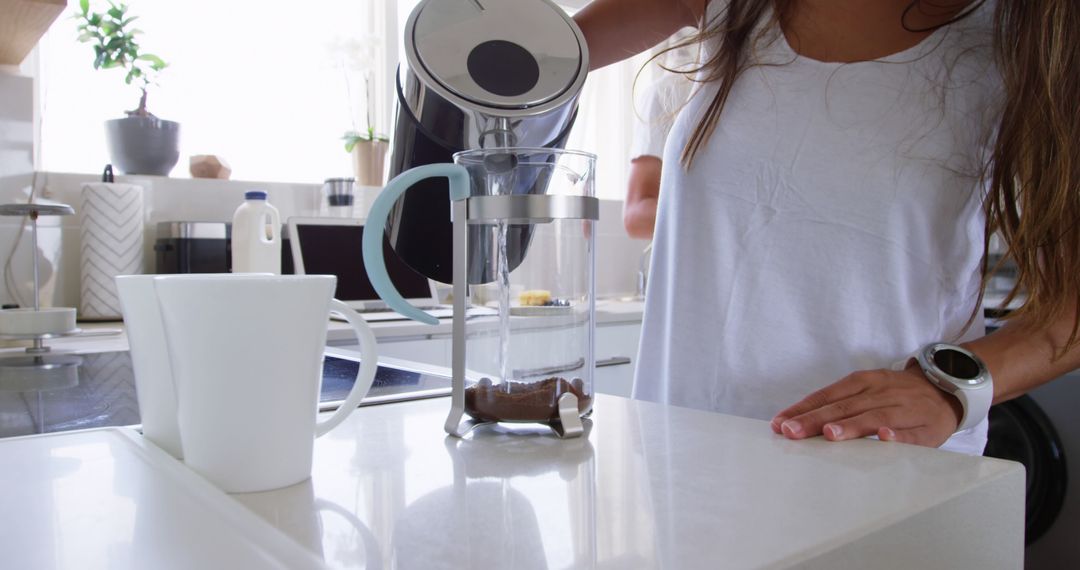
478 74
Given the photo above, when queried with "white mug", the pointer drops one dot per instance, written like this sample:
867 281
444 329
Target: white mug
245 352
154 386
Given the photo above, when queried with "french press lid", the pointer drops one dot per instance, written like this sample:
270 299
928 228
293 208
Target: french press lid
497 55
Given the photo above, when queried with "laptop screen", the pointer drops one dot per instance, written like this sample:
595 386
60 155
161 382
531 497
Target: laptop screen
336 250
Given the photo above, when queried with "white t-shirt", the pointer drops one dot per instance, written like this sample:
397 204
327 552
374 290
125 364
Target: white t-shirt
832 223
663 100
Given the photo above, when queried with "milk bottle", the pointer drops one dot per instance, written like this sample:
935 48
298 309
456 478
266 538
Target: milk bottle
256 236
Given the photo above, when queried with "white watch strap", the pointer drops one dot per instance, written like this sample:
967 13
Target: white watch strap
976 405
975 402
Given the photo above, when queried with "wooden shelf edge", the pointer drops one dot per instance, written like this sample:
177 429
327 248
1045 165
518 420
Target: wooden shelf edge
22 23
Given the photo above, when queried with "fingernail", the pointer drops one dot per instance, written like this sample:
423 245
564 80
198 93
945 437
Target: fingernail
834 430
792 427
777 422
887 433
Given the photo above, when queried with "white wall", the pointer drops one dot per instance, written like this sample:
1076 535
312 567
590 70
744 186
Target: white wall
17 144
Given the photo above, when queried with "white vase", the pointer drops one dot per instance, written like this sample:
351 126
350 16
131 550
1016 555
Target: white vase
111 217
369 160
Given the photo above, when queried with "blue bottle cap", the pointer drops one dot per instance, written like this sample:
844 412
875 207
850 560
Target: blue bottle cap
255 195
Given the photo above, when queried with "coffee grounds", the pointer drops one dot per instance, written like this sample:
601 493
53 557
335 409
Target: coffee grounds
522 401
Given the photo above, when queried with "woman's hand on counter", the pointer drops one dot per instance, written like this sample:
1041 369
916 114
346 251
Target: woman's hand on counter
893 405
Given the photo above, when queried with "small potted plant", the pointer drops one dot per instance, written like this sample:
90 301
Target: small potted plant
368 147
368 154
139 143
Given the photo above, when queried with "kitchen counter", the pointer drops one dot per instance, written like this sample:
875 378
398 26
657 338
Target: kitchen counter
652 487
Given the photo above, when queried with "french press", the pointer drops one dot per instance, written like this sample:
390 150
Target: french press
533 360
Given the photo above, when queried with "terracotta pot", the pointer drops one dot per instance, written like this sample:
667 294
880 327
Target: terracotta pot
369 159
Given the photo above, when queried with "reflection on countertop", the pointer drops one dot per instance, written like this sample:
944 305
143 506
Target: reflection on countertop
66 392
62 392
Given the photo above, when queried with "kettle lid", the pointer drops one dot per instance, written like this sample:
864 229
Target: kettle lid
497 54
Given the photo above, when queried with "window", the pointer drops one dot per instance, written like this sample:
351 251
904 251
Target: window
273 90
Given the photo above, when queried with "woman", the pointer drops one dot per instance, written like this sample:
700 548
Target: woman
843 166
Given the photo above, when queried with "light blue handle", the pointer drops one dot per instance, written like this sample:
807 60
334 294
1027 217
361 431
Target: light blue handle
375 226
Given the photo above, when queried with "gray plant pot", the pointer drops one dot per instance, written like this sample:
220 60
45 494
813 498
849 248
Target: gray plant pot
143 145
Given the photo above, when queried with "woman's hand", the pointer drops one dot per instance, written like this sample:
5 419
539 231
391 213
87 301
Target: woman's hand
893 405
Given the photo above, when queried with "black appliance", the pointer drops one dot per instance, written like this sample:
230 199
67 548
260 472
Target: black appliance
201 247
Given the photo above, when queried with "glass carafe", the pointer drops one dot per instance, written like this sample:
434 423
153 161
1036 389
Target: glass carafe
523 333
540 250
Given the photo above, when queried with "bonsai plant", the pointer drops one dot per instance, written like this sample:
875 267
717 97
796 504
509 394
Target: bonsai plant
140 143
368 148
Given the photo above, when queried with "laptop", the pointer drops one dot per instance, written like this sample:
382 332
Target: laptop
332 246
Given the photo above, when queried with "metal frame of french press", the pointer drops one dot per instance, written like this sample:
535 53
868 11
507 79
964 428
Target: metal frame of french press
509 209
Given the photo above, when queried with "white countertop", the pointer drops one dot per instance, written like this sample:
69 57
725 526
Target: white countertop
652 487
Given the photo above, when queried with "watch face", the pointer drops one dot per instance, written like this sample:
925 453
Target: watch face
958 365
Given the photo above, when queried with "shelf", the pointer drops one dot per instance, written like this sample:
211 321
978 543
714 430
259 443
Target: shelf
22 23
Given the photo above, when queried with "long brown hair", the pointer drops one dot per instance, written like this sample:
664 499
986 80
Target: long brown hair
1033 175
1034 196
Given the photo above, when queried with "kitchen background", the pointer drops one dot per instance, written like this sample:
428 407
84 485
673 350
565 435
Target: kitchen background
272 91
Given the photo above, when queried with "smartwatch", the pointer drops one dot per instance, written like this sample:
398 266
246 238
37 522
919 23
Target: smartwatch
959 372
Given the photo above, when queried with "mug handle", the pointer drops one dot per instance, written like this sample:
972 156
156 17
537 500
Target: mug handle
369 361
375 227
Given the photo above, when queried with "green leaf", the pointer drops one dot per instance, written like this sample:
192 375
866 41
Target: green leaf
114 46
351 138
155 61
